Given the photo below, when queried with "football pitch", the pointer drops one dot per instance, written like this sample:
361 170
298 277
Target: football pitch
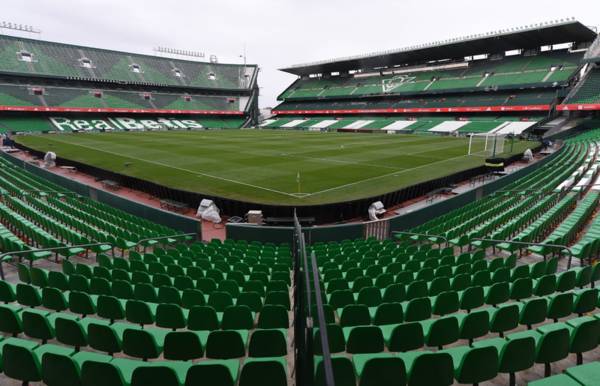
272 166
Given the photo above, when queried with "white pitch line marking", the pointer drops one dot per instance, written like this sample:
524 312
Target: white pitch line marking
383 176
178 168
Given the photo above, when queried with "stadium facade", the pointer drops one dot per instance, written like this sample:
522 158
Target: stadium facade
527 74
41 79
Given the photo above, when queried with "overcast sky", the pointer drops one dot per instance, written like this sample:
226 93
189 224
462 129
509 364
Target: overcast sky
278 33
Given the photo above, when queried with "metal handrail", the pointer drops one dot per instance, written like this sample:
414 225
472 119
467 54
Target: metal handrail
53 249
165 237
420 234
329 381
560 246
86 246
40 191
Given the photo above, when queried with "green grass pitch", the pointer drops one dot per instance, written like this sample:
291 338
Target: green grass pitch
271 166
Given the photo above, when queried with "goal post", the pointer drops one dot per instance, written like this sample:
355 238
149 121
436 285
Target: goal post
486 144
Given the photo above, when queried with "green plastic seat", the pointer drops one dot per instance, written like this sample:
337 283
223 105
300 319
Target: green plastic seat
584 276
354 315
446 303
585 301
552 343
54 299
144 344
7 292
335 337
103 337
226 344
417 309
343 371
39 277
273 316
560 306
538 270
545 285
10 319
100 286
473 325
23 273
22 359
183 345
251 299
214 372
522 288
556 380
28 295
64 370
122 289
81 303
404 337
497 293
363 339
566 281
472 297
267 343
263 371
440 332
503 318
145 292
388 313
203 318
237 318
139 312
220 300
474 364
160 374
191 298
588 374
427 368
584 335
279 297
36 325
79 283
109 307
533 311
514 355
394 293
171 316
70 331
379 369
101 373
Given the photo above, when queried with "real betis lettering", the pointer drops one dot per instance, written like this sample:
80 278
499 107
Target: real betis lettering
123 123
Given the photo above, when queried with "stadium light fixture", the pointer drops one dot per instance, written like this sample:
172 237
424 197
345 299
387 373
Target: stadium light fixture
19 27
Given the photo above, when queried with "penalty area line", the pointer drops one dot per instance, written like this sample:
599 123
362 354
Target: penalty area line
384 176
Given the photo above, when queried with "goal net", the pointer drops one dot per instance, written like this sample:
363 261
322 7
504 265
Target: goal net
486 144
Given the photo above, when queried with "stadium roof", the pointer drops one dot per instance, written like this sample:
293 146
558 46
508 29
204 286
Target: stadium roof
527 37
88 48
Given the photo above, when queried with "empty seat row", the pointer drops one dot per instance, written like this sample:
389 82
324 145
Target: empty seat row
360 337
144 343
28 361
469 364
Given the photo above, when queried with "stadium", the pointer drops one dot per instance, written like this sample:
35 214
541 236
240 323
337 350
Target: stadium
419 216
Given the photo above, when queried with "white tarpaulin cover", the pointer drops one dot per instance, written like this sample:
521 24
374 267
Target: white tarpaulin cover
323 124
293 123
208 211
449 126
398 125
358 124
515 128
